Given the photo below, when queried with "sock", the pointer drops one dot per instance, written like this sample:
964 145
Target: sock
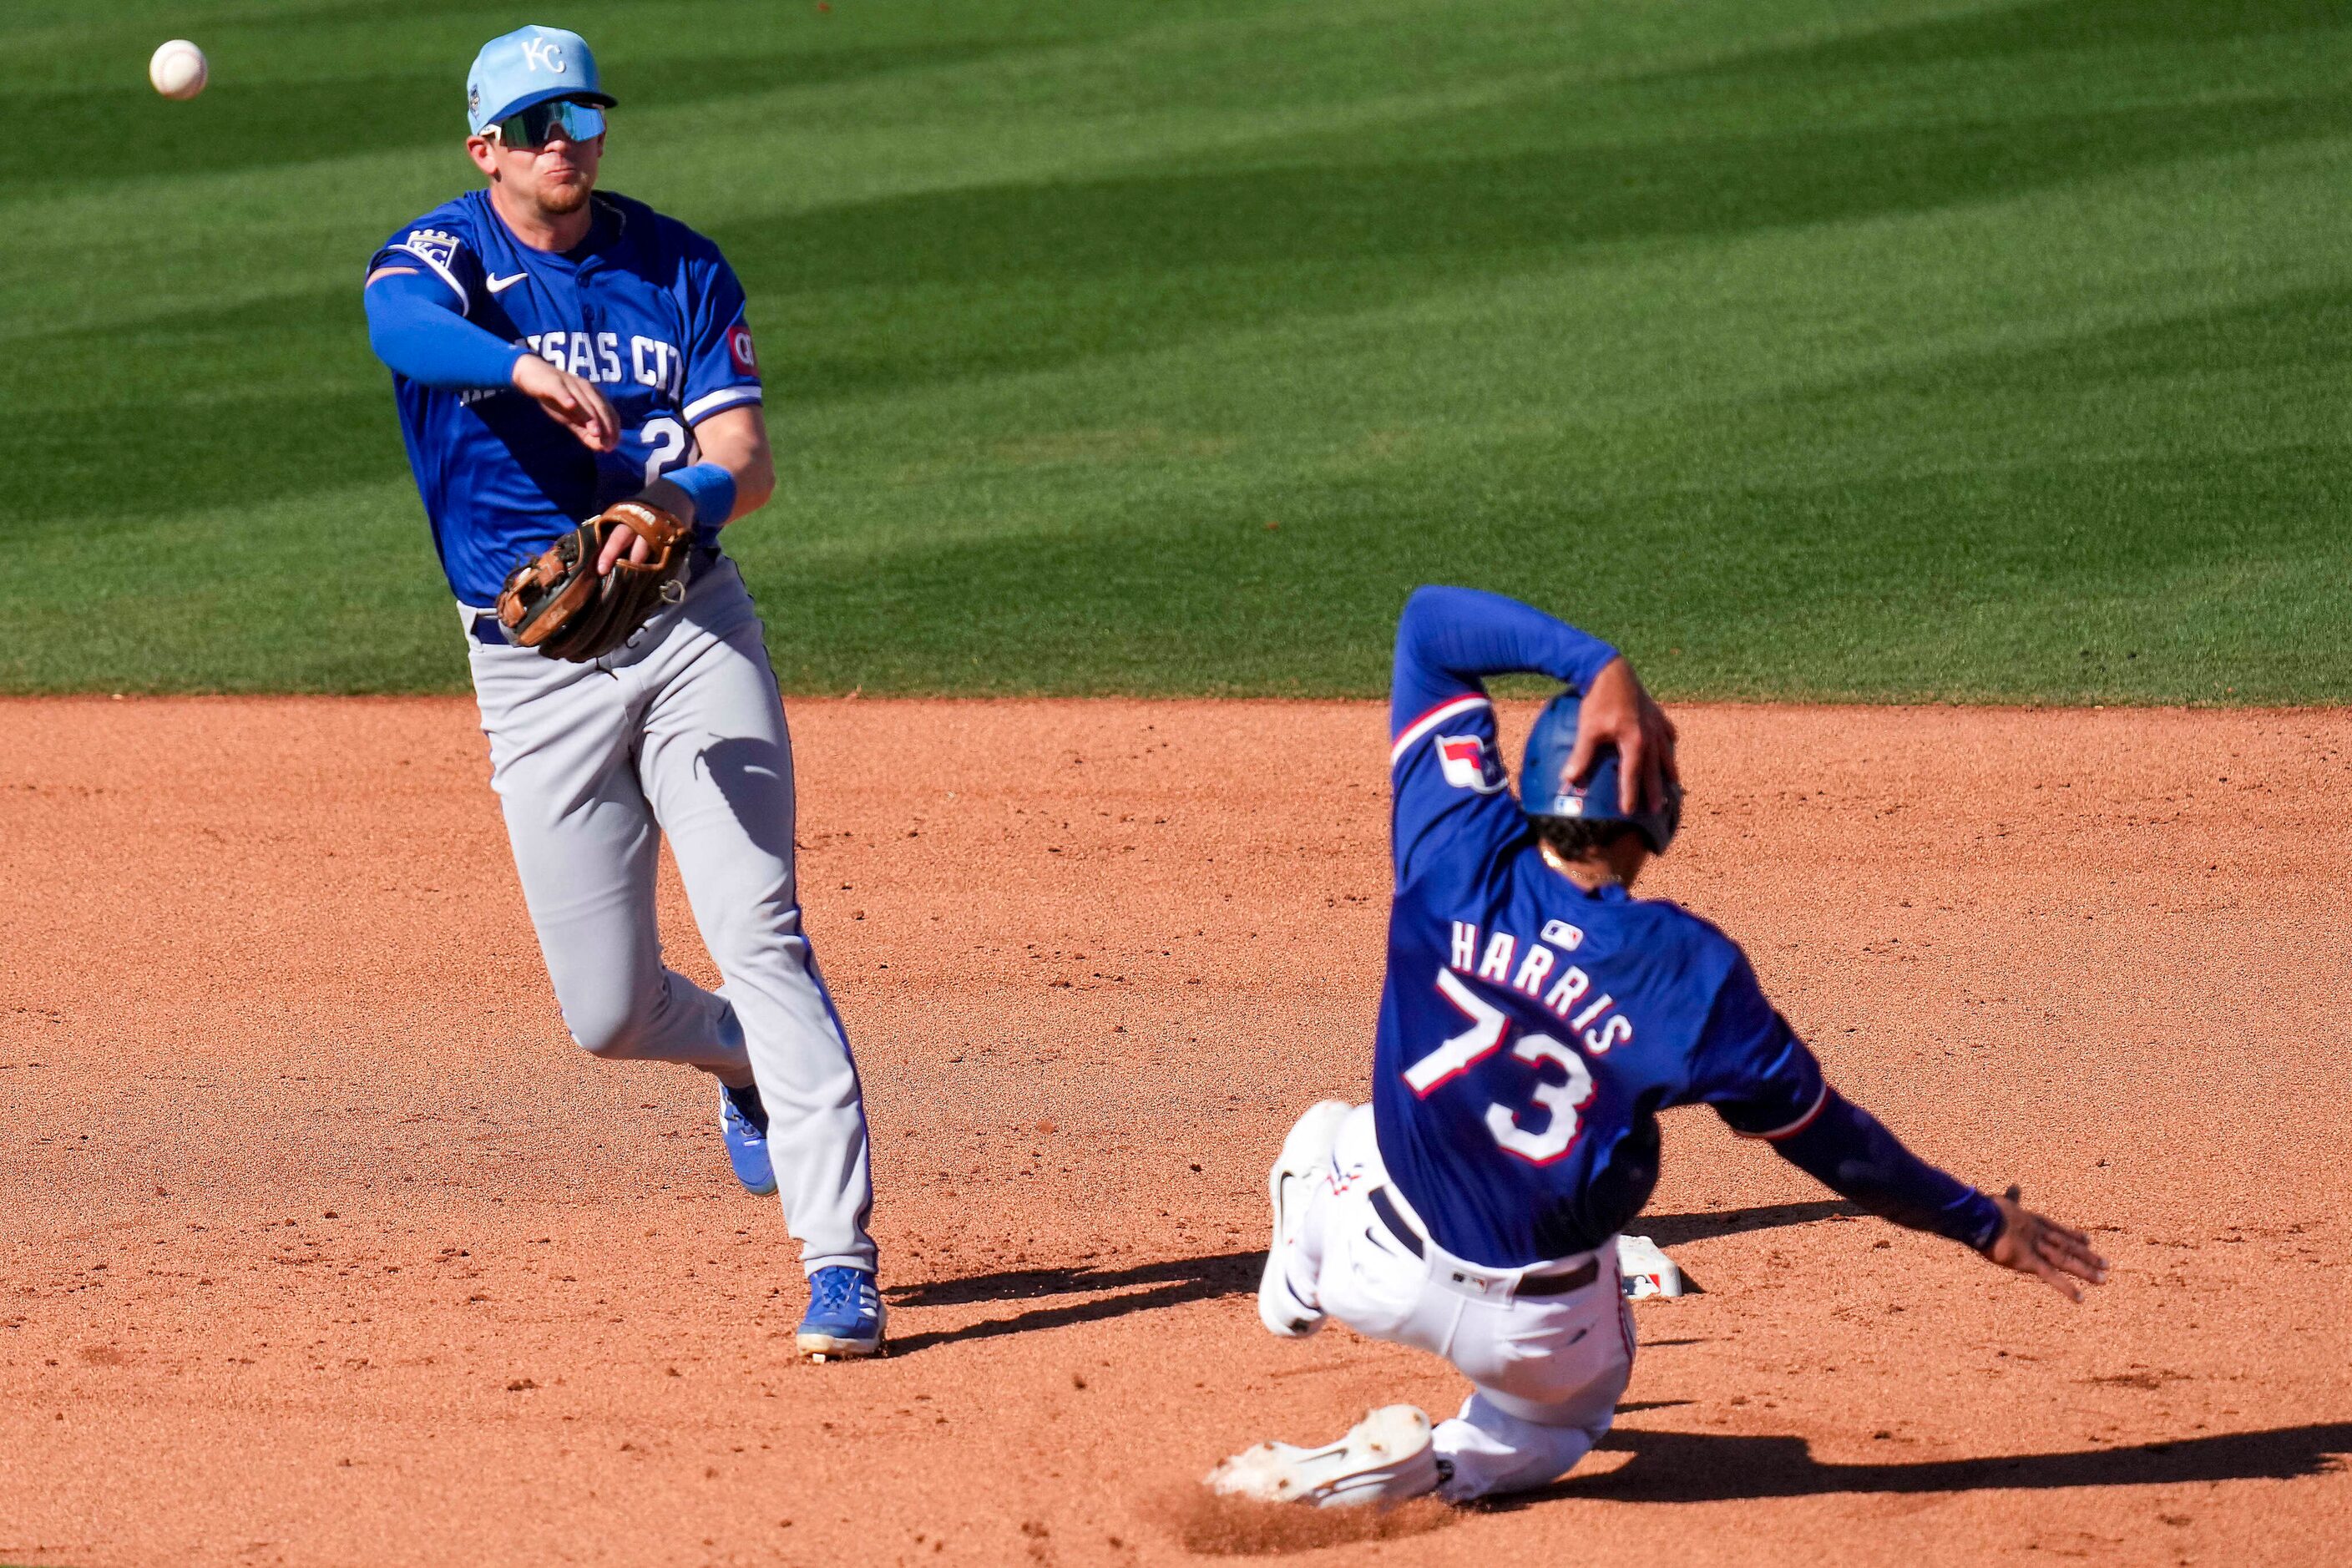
746 1100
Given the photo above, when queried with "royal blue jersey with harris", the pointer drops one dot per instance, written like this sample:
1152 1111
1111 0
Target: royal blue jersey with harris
1529 1031
645 308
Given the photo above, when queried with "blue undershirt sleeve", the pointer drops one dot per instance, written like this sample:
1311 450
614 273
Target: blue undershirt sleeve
1850 1152
415 328
1450 800
1449 639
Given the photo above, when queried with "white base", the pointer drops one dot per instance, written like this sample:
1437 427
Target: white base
1643 1269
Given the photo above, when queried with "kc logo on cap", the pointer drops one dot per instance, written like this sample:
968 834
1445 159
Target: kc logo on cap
529 65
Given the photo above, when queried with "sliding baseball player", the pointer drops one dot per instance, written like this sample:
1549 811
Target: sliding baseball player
1535 1020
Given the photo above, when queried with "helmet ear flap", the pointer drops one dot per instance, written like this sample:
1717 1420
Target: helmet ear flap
1659 826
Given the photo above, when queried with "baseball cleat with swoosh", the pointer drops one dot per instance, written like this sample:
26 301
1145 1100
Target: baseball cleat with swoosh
1384 1459
1306 1152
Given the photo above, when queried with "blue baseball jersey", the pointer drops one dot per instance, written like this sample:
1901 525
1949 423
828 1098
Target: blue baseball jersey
645 308
1529 1031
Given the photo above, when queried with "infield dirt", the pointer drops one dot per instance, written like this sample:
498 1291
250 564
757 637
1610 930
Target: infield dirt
324 1245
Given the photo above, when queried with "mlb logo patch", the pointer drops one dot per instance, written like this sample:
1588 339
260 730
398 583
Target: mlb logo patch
739 349
1468 764
1569 802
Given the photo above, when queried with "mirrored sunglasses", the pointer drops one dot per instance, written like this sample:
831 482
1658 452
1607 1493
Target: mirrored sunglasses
558 119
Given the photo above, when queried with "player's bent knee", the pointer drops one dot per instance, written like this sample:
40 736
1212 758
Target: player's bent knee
611 1031
1558 1404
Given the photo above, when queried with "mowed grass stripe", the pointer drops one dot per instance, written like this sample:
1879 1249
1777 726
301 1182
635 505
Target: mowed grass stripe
1823 348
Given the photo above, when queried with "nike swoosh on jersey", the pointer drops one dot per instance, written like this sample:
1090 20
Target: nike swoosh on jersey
498 285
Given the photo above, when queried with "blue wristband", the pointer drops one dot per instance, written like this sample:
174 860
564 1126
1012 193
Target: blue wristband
713 491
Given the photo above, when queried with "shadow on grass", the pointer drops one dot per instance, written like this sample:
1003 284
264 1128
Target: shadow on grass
74 138
2050 27
1021 278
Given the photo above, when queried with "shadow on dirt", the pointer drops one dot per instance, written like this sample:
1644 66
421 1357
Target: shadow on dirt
1176 1280
1694 1467
1224 1273
1674 1229
1171 1283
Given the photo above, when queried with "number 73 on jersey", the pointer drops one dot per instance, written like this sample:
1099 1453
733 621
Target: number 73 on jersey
1561 1101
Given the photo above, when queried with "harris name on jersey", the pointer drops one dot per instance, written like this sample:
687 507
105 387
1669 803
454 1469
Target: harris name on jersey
1528 969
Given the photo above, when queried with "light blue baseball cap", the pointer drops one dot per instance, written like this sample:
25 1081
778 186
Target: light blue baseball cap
529 65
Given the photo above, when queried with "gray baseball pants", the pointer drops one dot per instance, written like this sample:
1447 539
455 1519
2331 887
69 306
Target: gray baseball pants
682 732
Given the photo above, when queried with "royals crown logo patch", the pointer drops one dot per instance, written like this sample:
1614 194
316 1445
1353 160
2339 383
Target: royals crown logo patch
435 245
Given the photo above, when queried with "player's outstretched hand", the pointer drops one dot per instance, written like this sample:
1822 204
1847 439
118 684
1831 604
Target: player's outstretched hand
1617 710
2037 1245
571 401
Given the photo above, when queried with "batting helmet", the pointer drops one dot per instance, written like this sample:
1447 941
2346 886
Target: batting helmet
1546 790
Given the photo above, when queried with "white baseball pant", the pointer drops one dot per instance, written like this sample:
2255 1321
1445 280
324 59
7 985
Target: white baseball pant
1547 1371
682 731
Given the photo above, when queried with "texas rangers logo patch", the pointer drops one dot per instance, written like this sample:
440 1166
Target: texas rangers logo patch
1468 764
739 349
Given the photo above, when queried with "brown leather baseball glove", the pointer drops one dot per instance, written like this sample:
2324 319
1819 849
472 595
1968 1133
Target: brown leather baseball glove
559 605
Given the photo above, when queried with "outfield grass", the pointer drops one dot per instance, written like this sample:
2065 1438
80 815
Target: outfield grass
1808 348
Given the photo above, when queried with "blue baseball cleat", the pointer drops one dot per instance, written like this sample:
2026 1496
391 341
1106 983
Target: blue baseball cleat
744 1120
844 1314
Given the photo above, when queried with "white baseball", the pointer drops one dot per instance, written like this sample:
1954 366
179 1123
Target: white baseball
178 70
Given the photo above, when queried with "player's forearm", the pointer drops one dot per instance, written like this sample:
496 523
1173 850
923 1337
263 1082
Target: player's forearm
1850 1152
413 331
1449 639
752 465
736 474
754 476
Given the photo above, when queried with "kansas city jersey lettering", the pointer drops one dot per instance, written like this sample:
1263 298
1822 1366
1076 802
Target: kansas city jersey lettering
598 357
645 309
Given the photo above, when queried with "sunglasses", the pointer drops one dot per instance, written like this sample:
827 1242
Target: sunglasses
558 120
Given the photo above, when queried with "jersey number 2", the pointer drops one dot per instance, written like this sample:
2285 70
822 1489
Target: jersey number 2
666 441
1488 1023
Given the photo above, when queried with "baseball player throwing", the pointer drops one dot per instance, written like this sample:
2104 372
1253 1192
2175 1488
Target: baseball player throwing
581 406
1535 1020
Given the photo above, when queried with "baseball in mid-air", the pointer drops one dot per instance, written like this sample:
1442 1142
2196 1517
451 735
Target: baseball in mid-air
178 70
